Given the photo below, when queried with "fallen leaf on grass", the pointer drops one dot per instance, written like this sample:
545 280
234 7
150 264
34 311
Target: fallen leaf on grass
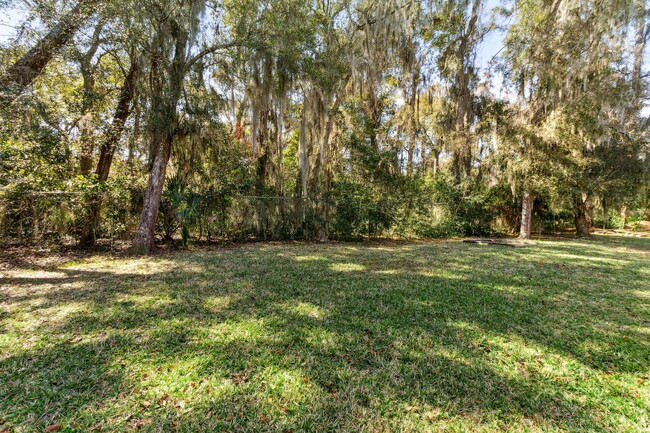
331 390
163 400
240 377
53 427
139 423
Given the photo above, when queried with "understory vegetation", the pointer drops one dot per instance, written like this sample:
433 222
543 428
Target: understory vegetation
192 121
392 336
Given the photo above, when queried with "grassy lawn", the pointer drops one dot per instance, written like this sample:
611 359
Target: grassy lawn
393 337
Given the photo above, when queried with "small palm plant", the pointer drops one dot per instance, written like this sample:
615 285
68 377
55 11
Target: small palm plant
186 205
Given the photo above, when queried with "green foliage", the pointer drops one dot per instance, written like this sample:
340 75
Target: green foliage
295 120
359 214
181 209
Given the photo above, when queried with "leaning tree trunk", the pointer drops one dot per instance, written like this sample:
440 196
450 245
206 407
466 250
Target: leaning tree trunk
144 236
88 103
580 217
165 104
22 73
526 215
122 113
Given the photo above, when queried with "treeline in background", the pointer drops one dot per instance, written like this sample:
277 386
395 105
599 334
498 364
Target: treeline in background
198 120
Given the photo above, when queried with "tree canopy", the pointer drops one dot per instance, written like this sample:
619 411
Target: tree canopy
321 119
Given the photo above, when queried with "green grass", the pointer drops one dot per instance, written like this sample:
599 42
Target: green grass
393 337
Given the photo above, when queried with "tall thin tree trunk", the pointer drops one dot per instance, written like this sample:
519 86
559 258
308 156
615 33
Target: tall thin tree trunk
641 34
436 162
86 123
413 122
462 152
526 215
165 129
22 73
303 153
122 113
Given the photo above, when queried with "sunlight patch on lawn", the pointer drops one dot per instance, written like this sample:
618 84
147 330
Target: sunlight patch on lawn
309 258
643 294
518 290
216 304
249 330
60 313
589 258
288 386
123 266
347 267
389 272
443 273
39 313
303 309
33 274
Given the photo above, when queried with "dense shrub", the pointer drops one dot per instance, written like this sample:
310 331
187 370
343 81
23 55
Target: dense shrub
359 214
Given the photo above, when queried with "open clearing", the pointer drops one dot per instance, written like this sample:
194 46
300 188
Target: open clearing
339 337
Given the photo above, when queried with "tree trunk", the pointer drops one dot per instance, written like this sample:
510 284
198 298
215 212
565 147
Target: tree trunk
526 215
303 154
22 73
413 122
122 113
144 236
436 163
88 104
462 141
324 168
89 235
589 211
641 34
165 105
580 217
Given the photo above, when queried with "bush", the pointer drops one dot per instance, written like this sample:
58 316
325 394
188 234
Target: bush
359 213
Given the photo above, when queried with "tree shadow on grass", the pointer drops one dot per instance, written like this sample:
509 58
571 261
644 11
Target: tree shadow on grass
334 338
